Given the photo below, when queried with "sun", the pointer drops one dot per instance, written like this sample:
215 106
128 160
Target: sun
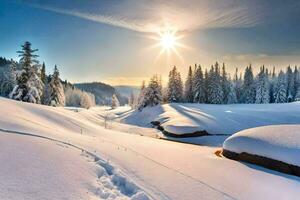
168 40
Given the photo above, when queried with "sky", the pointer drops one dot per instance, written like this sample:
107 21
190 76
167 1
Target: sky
118 41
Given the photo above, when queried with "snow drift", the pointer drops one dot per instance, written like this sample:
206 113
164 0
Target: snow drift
276 147
215 119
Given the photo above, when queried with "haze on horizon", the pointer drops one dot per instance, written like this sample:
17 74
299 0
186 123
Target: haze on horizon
112 41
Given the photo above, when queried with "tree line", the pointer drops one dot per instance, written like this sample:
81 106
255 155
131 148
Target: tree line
27 81
216 86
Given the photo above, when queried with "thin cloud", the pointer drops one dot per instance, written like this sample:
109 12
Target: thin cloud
151 16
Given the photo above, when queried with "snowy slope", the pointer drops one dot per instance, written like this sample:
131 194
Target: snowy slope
162 169
281 142
45 169
215 119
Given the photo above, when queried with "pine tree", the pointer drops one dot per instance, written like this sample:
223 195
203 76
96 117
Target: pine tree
43 73
296 81
272 82
225 84
54 92
114 101
262 87
215 92
188 89
231 97
153 93
199 86
290 84
237 82
141 101
29 86
248 94
175 88
280 89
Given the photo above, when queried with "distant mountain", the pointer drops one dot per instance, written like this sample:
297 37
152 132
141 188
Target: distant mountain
103 92
126 90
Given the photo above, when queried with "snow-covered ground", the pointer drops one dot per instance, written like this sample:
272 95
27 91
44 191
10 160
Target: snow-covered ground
39 168
215 119
280 142
160 169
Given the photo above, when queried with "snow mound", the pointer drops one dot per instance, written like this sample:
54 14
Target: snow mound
278 142
183 118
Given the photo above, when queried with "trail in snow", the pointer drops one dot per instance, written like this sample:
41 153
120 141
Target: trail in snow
112 184
125 186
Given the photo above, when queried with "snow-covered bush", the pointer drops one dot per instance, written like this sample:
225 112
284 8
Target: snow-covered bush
78 98
114 101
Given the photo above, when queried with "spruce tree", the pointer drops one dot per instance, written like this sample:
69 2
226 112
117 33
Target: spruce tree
280 89
43 73
54 92
215 92
153 93
141 101
237 81
225 84
29 86
199 86
262 87
290 84
231 97
248 88
188 88
175 88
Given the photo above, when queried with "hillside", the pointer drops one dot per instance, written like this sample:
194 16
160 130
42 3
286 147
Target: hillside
139 166
103 92
126 91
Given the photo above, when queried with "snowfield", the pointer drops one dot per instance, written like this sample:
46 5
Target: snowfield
143 167
215 119
281 142
47 169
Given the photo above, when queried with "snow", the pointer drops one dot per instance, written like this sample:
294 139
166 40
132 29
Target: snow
279 142
215 119
41 167
159 169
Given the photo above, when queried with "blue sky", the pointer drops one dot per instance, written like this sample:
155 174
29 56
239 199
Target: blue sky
110 40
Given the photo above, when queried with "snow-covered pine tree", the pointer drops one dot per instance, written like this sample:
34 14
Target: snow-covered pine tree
215 92
280 89
231 97
188 88
153 93
262 87
297 97
140 100
238 83
175 88
296 80
272 81
54 91
8 81
198 85
290 84
114 101
225 84
43 73
29 87
206 83
248 88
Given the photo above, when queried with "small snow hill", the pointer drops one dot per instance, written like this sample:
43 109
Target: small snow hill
276 147
183 118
